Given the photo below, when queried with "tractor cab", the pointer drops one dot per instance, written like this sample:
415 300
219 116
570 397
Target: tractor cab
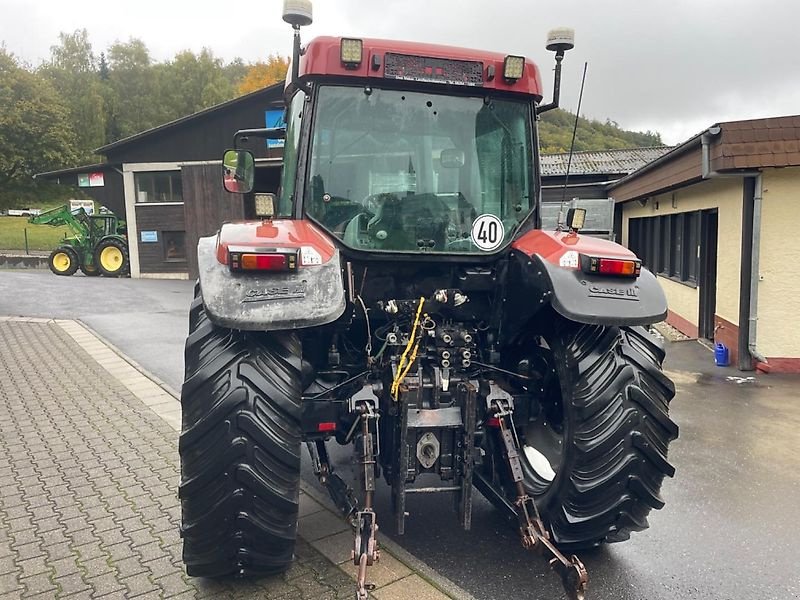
395 147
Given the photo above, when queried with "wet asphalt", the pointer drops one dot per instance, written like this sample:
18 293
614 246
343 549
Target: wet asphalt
730 528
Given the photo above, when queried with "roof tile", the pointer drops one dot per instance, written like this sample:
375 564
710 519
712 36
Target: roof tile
601 162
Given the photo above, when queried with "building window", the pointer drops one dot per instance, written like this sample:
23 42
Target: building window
174 245
158 186
668 245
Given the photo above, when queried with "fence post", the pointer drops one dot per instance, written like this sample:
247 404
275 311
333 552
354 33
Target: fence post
25 231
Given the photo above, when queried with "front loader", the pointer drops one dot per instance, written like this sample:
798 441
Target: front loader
398 295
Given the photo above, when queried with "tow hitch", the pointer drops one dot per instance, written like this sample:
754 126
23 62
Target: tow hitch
532 530
365 551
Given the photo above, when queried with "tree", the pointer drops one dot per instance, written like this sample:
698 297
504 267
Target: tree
262 74
36 134
73 71
132 101
555 134
192 82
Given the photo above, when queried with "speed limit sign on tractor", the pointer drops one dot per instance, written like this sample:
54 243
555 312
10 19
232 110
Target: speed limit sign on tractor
487 232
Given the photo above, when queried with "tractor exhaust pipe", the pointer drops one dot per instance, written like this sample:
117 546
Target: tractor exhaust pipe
558 41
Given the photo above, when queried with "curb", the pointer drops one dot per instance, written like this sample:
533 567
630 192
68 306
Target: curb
22 261
398 575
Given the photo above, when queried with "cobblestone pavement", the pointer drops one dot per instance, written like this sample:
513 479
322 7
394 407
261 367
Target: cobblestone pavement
88 479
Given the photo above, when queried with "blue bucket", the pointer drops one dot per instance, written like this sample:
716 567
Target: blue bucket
721 355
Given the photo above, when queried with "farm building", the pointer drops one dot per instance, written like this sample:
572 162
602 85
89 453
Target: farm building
165 182
714 219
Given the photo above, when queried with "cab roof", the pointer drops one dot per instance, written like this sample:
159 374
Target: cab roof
322 58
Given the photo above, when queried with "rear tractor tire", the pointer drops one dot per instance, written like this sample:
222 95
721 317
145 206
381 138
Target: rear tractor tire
595 457
239 449
111 257
63 261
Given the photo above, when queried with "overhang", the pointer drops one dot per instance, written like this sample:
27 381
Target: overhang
738 146
55 175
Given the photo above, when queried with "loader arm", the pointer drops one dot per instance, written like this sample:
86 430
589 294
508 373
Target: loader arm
78 222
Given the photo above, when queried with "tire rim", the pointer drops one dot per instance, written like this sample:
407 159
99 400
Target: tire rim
61 262
544 436
111 258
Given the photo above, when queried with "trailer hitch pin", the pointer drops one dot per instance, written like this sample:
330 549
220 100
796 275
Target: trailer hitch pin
533 533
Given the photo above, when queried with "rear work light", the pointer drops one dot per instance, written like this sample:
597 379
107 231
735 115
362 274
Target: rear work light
256 261
513 67
620 267
350 52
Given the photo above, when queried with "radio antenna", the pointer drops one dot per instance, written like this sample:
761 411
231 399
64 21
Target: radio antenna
571 149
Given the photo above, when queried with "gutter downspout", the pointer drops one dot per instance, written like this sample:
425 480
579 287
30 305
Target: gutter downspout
755 242
754 273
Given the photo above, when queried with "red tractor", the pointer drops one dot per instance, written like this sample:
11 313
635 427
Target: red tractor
400 295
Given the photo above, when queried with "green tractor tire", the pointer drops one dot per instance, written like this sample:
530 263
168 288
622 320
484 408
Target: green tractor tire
63 261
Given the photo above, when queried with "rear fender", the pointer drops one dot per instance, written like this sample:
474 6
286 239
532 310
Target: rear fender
585 298
312 295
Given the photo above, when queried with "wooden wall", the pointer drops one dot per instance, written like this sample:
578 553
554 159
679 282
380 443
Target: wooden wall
206 206
159 218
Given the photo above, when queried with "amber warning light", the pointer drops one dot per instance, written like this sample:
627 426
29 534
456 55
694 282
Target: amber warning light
620 267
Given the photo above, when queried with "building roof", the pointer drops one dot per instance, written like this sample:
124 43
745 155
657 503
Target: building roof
601 162
272 90
77 170
732 147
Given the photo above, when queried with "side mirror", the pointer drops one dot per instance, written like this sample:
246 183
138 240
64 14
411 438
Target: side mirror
238 171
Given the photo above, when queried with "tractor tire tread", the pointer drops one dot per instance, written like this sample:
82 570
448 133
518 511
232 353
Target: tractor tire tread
621 431
239 448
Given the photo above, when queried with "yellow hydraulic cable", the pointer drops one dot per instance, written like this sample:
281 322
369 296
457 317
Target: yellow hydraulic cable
408 367
402 364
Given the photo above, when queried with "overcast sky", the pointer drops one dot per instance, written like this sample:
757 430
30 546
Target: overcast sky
673 66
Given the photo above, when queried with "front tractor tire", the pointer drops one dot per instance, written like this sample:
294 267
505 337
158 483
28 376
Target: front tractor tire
239 449
595 457
63 261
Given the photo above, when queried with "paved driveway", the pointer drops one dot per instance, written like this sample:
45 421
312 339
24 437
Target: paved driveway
729 529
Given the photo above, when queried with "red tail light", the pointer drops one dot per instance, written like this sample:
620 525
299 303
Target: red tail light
257 261
621 267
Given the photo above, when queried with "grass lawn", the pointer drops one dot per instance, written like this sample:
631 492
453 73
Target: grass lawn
40 237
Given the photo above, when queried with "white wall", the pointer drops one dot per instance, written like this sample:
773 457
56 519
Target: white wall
778 333
725 194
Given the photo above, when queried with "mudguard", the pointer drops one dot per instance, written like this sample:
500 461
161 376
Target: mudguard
597 300
310 296
579 296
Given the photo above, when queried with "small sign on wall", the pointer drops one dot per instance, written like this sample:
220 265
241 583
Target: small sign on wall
148 236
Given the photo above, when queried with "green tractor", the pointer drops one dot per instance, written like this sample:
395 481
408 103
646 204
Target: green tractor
98 244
